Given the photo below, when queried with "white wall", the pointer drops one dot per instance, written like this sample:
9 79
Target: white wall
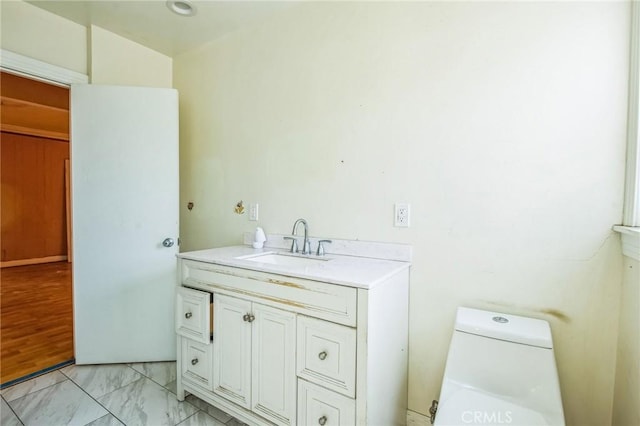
626 405
119 61
503 124
106 57
38 34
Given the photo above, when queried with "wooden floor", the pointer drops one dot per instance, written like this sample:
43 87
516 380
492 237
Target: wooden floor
36 318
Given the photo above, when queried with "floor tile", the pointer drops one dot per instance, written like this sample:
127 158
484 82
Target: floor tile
98 380
172 387
7 416
201 419
235 422
60 404
145 402
214 412
32 385
160 372
107 420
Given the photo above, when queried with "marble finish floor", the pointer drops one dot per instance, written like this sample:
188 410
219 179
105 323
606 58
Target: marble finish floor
107 395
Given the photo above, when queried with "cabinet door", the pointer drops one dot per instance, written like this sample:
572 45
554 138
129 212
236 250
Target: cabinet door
274 370
232 349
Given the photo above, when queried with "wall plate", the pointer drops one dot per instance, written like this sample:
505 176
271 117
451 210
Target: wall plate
401 215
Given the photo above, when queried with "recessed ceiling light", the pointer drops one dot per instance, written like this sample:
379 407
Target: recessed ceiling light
181 7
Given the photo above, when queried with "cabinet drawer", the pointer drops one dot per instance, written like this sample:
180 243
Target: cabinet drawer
319 406
327 301
326 354
196 363
193 314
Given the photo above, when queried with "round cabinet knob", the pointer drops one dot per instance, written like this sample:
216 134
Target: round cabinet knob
322 420
194 361
251 318
245 317
188 315
168 242
322 355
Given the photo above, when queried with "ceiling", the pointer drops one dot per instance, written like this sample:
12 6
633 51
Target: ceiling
152 24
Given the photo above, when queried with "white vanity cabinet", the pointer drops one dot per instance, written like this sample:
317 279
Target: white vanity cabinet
291 350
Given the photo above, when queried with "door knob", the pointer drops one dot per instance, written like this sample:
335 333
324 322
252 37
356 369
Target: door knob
168 242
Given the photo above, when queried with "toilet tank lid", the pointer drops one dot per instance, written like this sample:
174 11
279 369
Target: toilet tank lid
512 328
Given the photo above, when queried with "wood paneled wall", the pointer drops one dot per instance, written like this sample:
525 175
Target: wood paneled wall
34 148
33 197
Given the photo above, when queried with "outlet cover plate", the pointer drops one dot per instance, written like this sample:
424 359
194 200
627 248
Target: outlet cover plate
253 211
401 216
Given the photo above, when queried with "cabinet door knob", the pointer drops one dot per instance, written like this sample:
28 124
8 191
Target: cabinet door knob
322 420
194 361
245 317
322 355
188 315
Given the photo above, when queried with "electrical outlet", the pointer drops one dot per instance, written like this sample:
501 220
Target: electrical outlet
401 215
253 211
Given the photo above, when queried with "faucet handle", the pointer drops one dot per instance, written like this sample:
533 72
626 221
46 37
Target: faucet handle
294 244
320 251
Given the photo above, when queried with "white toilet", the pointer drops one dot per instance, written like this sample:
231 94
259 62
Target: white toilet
500 370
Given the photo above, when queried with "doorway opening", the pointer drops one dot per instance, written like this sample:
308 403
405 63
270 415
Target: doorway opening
36 323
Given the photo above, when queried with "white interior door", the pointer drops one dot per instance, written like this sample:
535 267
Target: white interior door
124 157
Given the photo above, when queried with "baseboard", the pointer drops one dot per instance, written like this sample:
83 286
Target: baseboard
417 419
34 261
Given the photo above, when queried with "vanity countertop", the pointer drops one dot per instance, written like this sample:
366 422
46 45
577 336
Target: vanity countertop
352 271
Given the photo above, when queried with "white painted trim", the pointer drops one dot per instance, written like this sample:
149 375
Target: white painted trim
630 237
33 68
631 215
630 231
417 419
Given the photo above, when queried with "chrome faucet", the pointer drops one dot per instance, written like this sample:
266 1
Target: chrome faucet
306 246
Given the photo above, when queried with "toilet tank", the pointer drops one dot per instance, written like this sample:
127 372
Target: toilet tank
511 328
500 370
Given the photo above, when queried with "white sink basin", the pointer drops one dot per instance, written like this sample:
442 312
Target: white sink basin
283 259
